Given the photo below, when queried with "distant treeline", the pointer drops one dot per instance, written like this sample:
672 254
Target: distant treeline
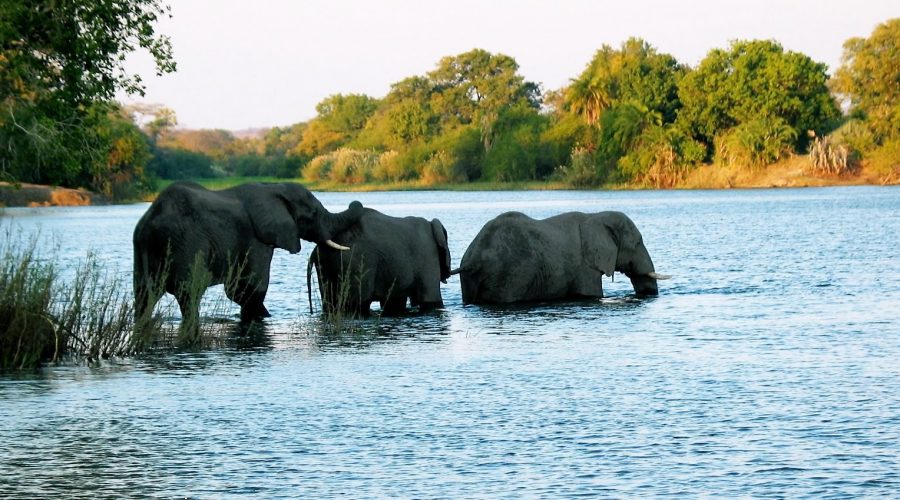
634 115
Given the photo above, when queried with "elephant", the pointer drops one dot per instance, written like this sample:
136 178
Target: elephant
515 258
393 259
231 235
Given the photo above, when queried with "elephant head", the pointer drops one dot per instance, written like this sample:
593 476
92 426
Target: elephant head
611 242
282 214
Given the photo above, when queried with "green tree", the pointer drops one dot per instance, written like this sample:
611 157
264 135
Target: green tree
756 81
869 78
59 60
340 118
635 72
473 88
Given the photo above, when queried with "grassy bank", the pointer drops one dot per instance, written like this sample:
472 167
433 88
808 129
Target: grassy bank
791 172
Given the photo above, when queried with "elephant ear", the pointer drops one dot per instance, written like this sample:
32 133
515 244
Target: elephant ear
272 219
599 248
440 238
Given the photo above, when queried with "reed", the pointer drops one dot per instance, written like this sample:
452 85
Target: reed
45 318
341 313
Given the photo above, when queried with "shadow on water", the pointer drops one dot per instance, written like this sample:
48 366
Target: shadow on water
562 308
365 332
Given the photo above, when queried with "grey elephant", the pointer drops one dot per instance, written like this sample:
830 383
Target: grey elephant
392 259
515 258
231 234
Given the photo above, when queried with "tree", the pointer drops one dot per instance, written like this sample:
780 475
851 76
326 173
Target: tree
473 88
635 73
59 59
869 78
340 118
755 81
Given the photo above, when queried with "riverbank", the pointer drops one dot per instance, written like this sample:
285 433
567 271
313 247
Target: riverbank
789 173
36 195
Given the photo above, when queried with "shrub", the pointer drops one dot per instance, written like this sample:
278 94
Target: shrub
661 157
828 158
343 165
755 143
885 161
582 170
442 168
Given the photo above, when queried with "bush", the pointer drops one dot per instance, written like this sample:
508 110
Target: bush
828 158
755 143
442 168
661 157
582 170
43 319
885 161
343 165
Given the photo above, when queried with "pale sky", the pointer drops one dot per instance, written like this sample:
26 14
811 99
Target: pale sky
262 63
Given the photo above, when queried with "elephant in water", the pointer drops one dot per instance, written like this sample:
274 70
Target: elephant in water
231 235
392 259
515 258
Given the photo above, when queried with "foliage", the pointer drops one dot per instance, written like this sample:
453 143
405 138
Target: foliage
518 152
828 158
179 164
339 119
60 63
635 73
885 161
869 78
756 82
855 134
43 318
755 143
661 156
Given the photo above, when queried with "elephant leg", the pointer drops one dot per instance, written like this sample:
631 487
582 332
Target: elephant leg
587 283
190 316
250 296
393 306
250 288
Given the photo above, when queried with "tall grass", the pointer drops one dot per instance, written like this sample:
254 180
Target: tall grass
340 309
45 318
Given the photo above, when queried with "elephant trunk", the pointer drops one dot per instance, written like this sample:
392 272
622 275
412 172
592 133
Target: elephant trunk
641 272
336 223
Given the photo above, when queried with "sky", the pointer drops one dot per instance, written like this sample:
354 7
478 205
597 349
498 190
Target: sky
262 63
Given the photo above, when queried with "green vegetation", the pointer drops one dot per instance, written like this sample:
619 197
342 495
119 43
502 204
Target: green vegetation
44 319
61 65
635 116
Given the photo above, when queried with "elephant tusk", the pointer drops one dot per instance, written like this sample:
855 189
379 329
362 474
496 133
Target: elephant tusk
657 276
335 245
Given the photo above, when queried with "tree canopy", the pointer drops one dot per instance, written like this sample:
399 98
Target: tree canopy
756 81
61 64
869 78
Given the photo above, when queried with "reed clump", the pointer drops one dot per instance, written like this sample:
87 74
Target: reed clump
46 317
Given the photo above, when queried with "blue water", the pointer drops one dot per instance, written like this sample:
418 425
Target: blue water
767 366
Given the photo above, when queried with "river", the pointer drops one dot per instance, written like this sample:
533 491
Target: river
767 366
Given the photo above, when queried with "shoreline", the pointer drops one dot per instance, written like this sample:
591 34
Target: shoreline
788 174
